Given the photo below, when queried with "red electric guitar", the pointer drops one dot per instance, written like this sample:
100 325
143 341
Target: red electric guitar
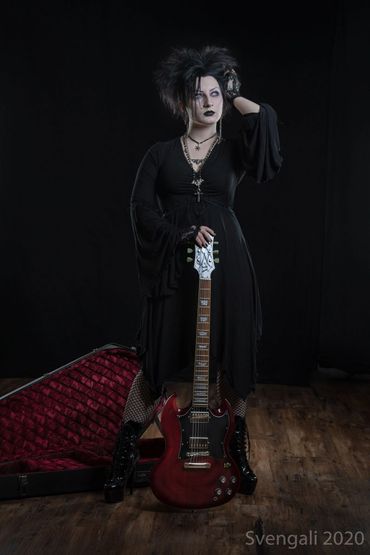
196 470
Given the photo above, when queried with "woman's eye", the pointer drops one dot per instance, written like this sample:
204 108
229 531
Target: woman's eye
200 95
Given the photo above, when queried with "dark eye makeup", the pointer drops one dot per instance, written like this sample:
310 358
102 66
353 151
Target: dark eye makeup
213 93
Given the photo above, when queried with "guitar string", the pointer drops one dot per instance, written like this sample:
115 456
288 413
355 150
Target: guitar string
207 312
201 428
201 424
197 418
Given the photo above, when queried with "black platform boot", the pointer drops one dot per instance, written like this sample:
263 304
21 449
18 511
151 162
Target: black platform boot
238 453
125 457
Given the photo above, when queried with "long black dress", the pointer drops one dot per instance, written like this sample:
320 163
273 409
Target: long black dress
163 206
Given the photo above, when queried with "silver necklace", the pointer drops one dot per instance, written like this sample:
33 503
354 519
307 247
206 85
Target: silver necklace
197 178
201 142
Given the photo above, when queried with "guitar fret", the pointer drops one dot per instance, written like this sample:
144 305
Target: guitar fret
202 348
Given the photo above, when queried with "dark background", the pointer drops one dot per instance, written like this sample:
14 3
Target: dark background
79 109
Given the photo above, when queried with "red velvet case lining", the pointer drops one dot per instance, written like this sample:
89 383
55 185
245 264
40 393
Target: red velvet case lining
70 418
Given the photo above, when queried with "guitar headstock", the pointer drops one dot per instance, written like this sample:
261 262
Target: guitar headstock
204 261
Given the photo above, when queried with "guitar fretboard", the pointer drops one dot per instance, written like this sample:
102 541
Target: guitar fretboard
201 360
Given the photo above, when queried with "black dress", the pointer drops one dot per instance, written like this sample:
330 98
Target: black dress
163 207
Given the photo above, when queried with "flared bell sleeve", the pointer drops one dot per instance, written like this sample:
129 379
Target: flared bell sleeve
156 238
259 144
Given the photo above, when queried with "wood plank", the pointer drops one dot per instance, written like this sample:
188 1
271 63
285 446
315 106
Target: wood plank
310 451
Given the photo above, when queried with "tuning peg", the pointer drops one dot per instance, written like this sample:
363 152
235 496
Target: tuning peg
216 251
189 250
189 259
216 260
215 242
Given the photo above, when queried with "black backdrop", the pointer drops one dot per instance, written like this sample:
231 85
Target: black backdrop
78 110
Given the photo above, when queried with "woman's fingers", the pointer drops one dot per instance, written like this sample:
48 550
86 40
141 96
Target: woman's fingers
207 232
204 235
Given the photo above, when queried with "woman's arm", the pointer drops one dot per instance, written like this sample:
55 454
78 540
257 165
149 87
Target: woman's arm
232 90
245 106
156 238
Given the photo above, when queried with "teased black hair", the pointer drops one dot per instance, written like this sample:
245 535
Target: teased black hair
176 76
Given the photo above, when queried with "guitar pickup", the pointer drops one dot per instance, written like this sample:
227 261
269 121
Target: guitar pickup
197 454
198 443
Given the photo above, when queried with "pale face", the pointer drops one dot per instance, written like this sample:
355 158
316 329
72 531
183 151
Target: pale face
208 97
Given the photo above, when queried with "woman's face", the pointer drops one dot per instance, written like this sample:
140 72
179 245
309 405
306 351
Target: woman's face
208 98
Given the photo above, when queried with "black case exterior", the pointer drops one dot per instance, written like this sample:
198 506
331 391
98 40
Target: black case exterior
34 484
15 483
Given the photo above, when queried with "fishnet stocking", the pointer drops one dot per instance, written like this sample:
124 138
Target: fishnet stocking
141 405
224 391
238 405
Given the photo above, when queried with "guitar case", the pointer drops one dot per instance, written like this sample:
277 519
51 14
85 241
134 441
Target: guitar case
58 432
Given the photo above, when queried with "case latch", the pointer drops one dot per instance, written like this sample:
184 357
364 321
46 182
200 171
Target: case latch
22 485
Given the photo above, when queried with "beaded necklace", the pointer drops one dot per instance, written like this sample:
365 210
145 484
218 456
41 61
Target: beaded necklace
197 178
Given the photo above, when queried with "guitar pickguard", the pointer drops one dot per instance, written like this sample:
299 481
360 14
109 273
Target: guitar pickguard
205 438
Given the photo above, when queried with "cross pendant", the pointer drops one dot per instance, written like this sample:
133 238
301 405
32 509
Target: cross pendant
197 182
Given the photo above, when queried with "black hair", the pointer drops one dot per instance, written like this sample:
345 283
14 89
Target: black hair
177 75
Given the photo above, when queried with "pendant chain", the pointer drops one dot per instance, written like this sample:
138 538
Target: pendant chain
201 142
197 178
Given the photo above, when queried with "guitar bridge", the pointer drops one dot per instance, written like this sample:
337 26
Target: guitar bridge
196 465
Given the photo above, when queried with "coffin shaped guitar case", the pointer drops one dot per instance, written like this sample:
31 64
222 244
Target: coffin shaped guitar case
58 432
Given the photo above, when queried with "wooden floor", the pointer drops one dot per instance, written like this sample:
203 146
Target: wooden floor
310 451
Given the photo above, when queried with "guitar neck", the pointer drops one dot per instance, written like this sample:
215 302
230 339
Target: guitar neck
202 336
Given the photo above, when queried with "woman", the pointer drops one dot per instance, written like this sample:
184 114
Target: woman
184 194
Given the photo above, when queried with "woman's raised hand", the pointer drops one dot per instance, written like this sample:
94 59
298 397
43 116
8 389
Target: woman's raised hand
232 84
204 236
